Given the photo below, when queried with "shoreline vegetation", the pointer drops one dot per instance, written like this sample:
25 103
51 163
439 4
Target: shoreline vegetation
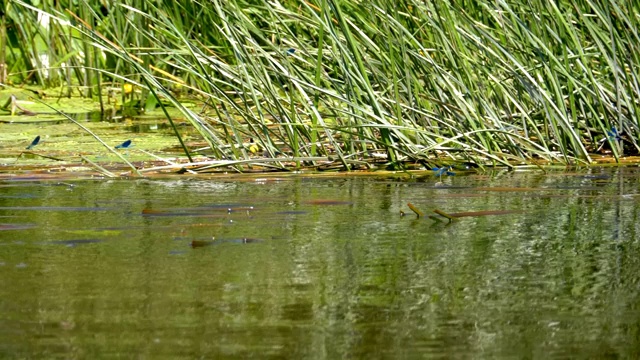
349 85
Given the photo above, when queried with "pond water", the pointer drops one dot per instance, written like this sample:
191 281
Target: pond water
308 267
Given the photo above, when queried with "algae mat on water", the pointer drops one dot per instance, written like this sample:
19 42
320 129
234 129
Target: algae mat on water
65 145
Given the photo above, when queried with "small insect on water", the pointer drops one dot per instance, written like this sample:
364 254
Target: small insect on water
124 145
35 142
445 170
613 135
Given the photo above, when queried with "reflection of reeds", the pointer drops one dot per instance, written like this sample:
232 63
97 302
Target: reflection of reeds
487 82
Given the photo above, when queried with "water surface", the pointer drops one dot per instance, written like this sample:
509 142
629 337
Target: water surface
301 267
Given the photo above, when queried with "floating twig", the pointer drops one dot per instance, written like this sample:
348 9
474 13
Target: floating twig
442 213
415 209
100 168
433 217
36 154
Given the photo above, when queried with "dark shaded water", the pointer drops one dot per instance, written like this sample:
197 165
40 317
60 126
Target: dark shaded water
319 268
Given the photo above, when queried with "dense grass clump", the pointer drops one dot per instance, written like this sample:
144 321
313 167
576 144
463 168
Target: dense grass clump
487 82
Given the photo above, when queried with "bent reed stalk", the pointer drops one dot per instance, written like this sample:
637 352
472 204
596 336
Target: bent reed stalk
485 82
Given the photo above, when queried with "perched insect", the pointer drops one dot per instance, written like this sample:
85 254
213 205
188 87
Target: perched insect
443 171
613 134
291 51
34 143
124 145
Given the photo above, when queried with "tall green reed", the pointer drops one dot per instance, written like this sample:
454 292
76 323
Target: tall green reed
491 82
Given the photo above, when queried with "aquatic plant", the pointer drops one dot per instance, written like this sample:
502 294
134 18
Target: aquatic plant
409 81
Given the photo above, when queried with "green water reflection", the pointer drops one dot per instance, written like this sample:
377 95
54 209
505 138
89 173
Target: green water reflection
106 268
